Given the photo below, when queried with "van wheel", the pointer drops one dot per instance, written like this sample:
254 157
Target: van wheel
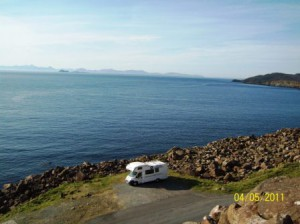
157 180
133 183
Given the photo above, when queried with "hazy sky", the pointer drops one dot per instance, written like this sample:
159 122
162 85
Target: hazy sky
210 38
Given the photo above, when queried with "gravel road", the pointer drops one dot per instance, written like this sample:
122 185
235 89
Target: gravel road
161 203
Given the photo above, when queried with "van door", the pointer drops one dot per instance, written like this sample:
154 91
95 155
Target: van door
139 177
149 175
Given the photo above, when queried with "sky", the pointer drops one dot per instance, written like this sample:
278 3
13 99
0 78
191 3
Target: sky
234 39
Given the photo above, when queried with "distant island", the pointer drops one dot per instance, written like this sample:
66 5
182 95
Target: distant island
274 79
33 68
63 70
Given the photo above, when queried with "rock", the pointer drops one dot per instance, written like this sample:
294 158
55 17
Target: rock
223 218
29 179
297 203
86 164
64 172
228 177
208 220
199 170
232 213
263 166
206 175
7 186
216 212
214 170
259 159
80 176
297 158
23 197
175 153
188 169
247 166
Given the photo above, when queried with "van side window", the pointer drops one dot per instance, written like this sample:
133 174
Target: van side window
149 171
156 169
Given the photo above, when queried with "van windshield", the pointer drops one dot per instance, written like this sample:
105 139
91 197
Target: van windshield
133 174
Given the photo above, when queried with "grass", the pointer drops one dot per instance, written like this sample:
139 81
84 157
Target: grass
195 183
99 185
289 170
74 190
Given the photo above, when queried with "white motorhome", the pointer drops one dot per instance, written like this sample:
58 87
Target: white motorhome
146 172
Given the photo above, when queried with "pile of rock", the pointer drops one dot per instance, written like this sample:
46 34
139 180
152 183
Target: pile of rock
232 159
281 210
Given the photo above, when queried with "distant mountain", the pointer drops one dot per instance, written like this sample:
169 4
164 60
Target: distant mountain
95 71
112 71
28 68
132 72
274 79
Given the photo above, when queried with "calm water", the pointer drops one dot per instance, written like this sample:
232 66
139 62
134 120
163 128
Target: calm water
64 119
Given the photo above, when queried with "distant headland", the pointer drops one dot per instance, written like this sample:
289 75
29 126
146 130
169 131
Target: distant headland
274 79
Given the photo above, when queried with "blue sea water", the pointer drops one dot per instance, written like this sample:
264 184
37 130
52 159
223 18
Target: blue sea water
50 119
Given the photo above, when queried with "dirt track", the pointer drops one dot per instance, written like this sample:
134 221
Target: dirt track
170 201
158 203
186 207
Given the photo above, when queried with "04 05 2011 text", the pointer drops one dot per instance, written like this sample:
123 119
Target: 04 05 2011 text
255 197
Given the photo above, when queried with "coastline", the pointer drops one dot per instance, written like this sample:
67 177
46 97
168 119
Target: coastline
274 79
225 160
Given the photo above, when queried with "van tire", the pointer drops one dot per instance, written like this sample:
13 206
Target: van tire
157 180
134 183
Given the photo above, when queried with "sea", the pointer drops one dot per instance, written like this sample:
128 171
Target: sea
63 119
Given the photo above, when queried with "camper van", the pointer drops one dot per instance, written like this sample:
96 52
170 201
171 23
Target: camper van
146 172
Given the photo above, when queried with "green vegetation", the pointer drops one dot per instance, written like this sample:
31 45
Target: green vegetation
67 191
195 183
289 170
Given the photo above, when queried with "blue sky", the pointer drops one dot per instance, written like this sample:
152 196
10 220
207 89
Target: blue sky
211 38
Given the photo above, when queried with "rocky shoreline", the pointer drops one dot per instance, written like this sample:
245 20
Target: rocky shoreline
225 160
